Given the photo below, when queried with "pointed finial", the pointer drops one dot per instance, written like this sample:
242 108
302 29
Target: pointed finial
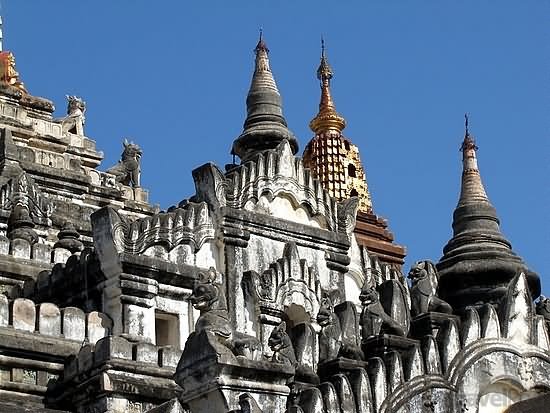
327 118
261 46
469 142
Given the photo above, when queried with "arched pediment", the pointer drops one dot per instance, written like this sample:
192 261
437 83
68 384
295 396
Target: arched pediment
287 281
260 183
284 205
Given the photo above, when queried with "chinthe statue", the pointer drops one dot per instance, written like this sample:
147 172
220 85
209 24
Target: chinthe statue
128 170
74 121
280 343
424 299
208 298
374 320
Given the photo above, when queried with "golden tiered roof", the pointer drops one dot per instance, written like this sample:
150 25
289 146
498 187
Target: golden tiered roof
333 159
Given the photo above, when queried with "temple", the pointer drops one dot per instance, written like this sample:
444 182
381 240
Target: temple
274 287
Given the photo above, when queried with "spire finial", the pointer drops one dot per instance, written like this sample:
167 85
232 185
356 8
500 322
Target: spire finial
327 118
261 46
469 142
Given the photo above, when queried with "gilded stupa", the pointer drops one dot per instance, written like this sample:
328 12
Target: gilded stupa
331 156
336 163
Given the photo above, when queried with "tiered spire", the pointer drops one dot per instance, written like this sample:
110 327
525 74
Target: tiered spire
472 189
333 159
478 261
265 126
327 118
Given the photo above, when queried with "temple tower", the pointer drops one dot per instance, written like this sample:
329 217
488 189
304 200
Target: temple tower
336 162
478 262
265 126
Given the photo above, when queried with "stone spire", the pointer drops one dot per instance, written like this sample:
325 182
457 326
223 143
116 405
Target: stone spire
265 126
478 261
471 190
327 118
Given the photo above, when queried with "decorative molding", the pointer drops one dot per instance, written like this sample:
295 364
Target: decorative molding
22 190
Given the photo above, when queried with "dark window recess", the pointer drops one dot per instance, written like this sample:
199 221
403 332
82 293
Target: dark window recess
167 329
352 173
353 193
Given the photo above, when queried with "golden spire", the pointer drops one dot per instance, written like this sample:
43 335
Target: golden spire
327 118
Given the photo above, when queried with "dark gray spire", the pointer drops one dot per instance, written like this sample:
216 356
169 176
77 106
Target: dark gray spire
265 126
478 262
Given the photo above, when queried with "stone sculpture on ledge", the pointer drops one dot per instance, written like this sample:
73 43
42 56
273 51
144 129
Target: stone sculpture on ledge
208 298
128 170
374 319
330 337
74 121
424 299
281 345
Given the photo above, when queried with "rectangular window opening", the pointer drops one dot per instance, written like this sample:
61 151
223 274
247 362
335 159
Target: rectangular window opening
167 329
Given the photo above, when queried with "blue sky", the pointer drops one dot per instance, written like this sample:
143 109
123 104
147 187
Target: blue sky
173 76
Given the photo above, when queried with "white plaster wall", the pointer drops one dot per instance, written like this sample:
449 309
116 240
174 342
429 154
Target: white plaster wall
140 322
284 207
355 266
353 288
208 256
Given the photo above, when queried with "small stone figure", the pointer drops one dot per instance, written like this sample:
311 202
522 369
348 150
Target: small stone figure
214 318
331 333
127 171
332 339
423 276
374 320
74 121
281 345
543 307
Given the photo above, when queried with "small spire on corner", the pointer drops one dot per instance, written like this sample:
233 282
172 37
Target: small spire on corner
467 132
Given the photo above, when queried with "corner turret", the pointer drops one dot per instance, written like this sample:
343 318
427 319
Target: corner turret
478 262
265 126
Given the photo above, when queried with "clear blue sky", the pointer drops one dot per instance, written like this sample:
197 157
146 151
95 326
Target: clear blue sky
173 76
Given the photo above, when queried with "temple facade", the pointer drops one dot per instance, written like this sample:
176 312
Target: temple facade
273 288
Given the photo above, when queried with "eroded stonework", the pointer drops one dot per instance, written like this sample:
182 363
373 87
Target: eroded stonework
258 293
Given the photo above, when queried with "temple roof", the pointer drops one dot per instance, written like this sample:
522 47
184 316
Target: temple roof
478 261
265 126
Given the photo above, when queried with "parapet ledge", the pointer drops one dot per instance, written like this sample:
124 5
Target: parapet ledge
125 355
48 319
